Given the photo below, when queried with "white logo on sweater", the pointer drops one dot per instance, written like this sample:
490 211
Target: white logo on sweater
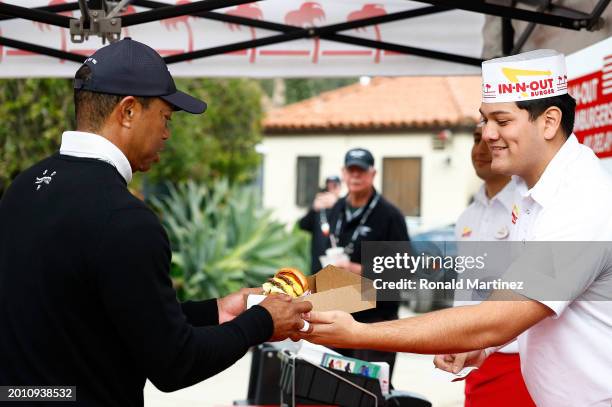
45 179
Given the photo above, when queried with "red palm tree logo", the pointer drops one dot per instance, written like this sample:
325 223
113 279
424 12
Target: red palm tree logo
249 10
47 27
172 24
306 16
368 11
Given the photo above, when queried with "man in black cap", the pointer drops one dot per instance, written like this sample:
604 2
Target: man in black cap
316 223
365 215
333 184
86 298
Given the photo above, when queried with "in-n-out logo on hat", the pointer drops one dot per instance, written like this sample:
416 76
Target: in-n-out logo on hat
530 75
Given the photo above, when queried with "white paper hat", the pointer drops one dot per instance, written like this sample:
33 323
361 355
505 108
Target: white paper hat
530 75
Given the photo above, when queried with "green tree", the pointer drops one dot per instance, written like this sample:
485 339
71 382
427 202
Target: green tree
223 240
297 89
300 89
33 115
220 143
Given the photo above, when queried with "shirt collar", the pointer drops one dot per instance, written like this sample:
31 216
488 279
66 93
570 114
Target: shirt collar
357 214
90 145
543 191
505 196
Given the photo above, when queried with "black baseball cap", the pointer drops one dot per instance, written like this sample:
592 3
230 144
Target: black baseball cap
359 157
333 178
129 67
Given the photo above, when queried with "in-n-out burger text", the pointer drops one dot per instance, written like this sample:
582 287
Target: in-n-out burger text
599 142
584 92
536 88
593 117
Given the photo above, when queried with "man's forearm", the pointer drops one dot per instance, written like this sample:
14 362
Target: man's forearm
491 323
201 313
446 331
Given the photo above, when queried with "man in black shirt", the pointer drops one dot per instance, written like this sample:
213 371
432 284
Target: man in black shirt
365 215
85 294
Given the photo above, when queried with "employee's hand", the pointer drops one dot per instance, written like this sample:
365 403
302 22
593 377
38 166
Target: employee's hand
234 304
324 200
287 316
453 363
349 266
332 328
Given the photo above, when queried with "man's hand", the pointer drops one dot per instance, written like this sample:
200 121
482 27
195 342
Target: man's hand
332 328
453 363
288 316
234 304
324 200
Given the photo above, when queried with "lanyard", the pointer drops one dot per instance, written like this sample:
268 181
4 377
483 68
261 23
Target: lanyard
338 229
324 223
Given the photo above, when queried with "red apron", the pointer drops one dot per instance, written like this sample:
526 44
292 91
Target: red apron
498 382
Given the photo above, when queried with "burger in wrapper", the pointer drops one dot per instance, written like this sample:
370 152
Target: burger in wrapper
288 281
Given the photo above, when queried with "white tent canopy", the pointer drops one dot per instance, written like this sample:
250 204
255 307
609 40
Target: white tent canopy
450 33
304 57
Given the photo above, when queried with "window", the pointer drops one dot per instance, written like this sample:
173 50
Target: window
307 180
402 184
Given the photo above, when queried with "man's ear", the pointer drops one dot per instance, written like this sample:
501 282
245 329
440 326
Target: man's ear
552 122
126 111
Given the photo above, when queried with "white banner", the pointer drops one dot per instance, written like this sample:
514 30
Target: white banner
456 32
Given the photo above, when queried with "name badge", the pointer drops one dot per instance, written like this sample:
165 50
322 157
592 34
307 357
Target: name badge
502 233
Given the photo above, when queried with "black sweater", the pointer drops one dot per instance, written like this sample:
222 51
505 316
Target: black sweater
85 295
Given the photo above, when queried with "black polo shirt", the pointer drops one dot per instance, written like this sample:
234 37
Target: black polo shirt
384 223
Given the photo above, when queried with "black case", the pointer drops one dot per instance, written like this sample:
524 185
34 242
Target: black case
271 383
316 384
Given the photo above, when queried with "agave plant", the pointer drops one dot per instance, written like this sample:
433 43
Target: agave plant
222 240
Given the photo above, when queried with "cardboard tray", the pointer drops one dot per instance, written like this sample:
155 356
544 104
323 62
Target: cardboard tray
334 288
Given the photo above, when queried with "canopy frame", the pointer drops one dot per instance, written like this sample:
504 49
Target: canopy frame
545 14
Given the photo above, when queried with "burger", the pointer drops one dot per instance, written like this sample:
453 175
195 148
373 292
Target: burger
288 281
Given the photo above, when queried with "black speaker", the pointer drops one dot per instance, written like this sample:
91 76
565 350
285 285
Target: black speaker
264 376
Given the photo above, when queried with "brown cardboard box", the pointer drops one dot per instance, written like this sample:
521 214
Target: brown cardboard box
334 288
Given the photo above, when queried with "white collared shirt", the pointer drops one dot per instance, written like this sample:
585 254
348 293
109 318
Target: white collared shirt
485 220
566 359
90 145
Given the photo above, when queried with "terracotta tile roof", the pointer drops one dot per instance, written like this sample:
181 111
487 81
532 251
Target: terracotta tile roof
384 104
